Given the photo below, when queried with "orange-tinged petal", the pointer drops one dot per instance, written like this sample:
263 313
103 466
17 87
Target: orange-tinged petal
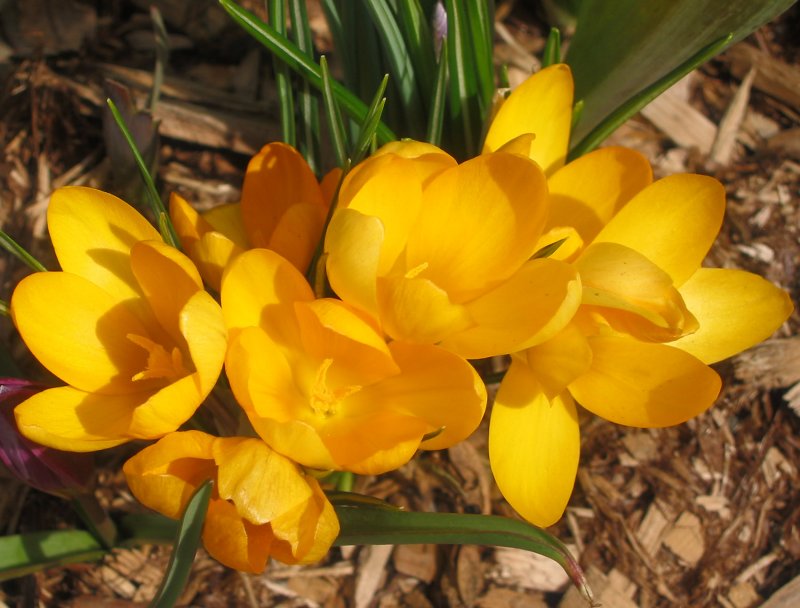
643 384
233 541
735 310
532 306
260 482
82 338
587 192
417 310
163 476
353 242
534 447
541 105
672 222
436 386
329 184
260 289
68 419
93 232
566 241
297 233
409 148
635 295
227 220
277 178
212 254
481 222
307 537
559 361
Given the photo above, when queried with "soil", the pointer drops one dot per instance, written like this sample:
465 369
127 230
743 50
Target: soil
703 514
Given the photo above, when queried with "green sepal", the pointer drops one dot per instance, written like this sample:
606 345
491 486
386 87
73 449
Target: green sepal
552 48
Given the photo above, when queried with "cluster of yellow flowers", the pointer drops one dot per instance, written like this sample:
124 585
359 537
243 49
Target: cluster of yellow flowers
587 273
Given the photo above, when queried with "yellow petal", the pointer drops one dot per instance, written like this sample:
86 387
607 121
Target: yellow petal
480 222
93 232
644 384
541 105
735 310
353 242
277 178
297 233
587 192
672 222
79 331
260 289
227 220
533 305
559 361
233 541
65 418
534 447
307 537
163 476
633 294
408 148
213 253
417 310
329 184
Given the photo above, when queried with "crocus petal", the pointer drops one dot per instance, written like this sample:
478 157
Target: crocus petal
329 185
587 192
558 361
297 233
655 223
634 295
481 222
212 254
93 232
234 541
643 384
91 350
277 178
227 220
305 538
533 305
69 419
534 447
541 105
260 289
163 476
735 310
353 242
417 310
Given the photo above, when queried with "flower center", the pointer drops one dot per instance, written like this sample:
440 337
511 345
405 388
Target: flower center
160 363
325 400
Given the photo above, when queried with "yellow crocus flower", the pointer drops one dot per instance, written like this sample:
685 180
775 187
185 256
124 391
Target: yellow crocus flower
125 324
441 253
651 319
320 384
283 208
262 504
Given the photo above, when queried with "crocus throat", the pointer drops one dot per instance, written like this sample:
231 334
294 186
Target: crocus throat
325 401
160 363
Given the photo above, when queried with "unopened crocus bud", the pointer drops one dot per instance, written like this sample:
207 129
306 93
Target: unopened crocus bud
53 471
439 27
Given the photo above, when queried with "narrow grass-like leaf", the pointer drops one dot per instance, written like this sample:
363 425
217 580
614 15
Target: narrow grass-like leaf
621 48
4 310
19 252
480 15
439 99
337 130
22 554
146 529
162 56
369 127
637 102
552 48
288 52
401 66
463 83
419 43
277 17
187 540
308 142
577 112
165 226
374 524
96 518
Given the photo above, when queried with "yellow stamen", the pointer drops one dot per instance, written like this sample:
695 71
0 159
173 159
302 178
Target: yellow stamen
324 400
416 271
160 363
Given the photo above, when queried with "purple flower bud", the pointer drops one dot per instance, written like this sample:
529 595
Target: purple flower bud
439 27
43 468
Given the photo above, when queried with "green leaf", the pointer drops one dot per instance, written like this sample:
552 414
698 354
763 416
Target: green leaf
419 43
187 540
162 217
337 130
399 60
162 56
18 251
436 113
289 53
363 521
22 554
552 48
480 15
640 100
277 16
369 127
621 48
308 143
